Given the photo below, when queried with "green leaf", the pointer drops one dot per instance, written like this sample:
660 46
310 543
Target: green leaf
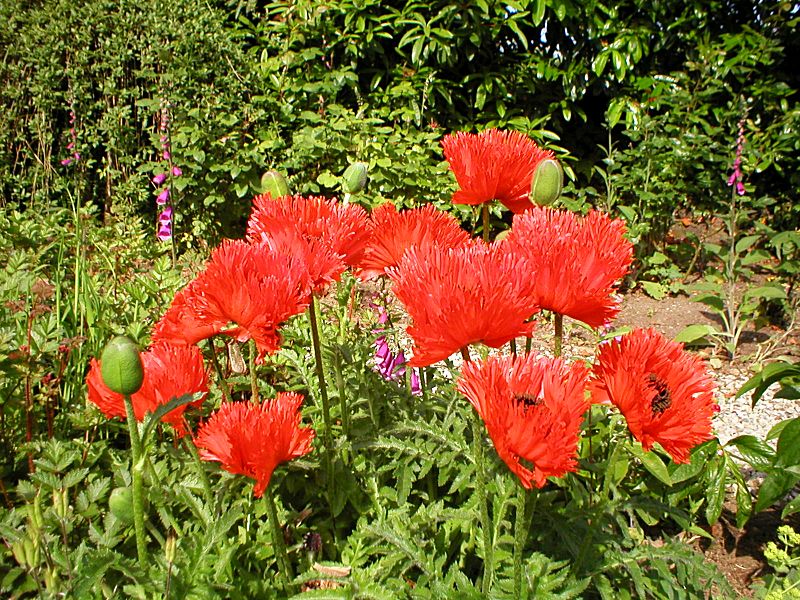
791 508
598 66
711 300
693 333
654 289
756 452
538 12
772 373
715 490
653 463
745 242
153 418
788 449
766 292
775 486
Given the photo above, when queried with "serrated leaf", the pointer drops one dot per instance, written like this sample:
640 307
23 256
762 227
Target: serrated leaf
655 290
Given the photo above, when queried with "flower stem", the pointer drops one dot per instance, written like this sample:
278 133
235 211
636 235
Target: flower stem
521 527
558 320
338 368
137 463
327 438
223 385
477 441
284 566
251 359
485 215
486 525
201 472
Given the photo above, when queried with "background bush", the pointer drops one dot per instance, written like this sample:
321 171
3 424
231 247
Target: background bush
307 86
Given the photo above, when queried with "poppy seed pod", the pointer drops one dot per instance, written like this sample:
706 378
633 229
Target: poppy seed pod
355 178
274 184
548 179
121 366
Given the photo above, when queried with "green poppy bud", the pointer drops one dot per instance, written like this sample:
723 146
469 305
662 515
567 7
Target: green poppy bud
274 184
120 503
548 179
355 178
121 366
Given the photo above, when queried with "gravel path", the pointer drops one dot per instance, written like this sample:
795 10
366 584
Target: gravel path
738 417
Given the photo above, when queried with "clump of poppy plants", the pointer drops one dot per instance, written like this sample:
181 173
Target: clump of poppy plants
461 296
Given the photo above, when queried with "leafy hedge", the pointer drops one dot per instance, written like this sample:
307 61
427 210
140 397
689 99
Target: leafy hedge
306 87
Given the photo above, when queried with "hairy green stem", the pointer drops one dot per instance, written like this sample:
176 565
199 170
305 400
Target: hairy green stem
201 472
327 437
252 366
221 383
486 524
521 528
137 464
284 566
338 368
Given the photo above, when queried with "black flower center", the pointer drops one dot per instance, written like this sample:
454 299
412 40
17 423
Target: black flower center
662 399
527 400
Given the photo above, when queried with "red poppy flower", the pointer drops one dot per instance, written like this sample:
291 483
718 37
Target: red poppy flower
323 265
169 372
574 263
252 285
252 439
181 324
340 227
493 165
533 409
392 233
459 296
665 393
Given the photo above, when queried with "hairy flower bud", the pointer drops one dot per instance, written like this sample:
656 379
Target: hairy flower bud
355 178
121 366
274 184
548 179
